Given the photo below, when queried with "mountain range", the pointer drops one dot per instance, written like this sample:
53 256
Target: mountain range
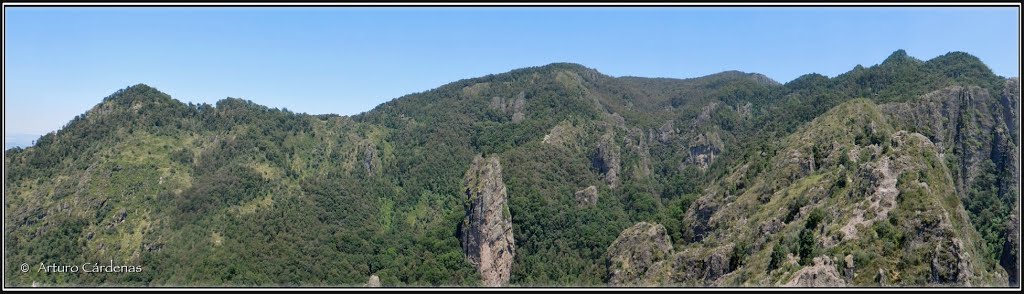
904 173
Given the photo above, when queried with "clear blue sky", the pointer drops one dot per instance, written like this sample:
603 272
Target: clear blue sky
61 61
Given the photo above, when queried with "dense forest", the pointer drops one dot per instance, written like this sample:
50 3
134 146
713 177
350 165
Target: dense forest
904 173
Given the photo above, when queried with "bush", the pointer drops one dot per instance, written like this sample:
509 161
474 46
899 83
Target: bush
778 256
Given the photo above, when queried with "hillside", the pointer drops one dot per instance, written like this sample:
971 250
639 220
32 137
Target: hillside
904 173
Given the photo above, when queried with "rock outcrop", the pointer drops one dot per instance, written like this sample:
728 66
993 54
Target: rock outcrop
607 159
486 232
849 268
700 267
1010 102
950 265
1010 259
516 106
643 256
666 132
699 217
636 144
822 274
704 149
638 256
370 158
374 282
563 134
587 197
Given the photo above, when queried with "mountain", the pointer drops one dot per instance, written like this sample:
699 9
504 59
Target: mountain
904 173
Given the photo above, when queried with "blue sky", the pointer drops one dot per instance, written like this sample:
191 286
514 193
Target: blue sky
61 61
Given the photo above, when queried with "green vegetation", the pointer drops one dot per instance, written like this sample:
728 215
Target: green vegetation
238 194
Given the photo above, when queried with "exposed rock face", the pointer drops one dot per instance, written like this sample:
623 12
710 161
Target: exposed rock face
693 268
638 256
587 197
637 144
374 282
370 159
950 264
705 114
1010 259
607 159
666 133
1011 106
822 274
979 130
643 256
882 177
967 122
849 268
798 164
486 232
746 110
704 150
564 134
515 106
699 217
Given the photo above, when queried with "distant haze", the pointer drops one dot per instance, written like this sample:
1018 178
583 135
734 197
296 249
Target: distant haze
19 140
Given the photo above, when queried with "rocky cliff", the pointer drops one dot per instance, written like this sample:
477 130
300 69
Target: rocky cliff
847 184
639 256
486 232
975 130
643 255
822 274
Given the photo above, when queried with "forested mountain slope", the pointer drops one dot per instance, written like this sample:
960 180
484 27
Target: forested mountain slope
901 173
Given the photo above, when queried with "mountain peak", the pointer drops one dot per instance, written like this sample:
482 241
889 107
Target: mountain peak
571 67
136 93
957 56
962 65
140 87
899 57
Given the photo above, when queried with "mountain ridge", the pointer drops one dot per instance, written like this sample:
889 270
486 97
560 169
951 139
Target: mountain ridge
221 191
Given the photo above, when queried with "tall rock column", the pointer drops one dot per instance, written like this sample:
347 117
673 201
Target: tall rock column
486 232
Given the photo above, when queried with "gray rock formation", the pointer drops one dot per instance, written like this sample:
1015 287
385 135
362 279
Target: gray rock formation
822 274
699 217
643 256
374 282
638 256
666 132
607 159
704 149
486 232
587 197
1010 102
848 267
949 264
563 134
516 106
700 267
369 158
636 144
1010 259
